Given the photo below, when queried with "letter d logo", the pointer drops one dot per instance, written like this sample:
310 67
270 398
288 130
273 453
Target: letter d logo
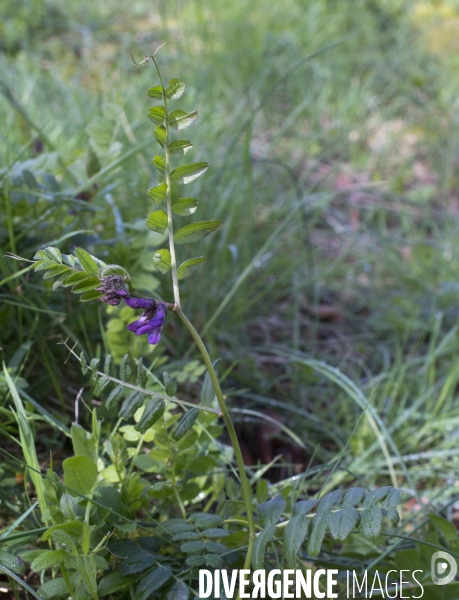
439 566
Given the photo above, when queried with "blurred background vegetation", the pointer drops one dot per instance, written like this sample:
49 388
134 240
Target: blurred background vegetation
333 138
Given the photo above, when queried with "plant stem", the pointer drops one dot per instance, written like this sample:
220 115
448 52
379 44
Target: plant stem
68 585
170 227
167 173
245 486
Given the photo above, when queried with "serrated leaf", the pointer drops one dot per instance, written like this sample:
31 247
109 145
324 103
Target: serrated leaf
195 561
170 384
86 285
49 558
53 254
108 365
370 522
175 90
94 365
152 582
153 411
157 114
195 231
56 270
184 207
214 561
162 260
329 500
393 499
114 396
160 163
188 173
304 507
156 92
125 368
86 261
53 588
353 496
271 511
69 259
259 547
160 134
75 278
216 547
375 496
192 547
185 423
158 193
80 475
319 527
90 295
189 267
180 147
130 405
180 119
294 535
101 385
157 221
343 522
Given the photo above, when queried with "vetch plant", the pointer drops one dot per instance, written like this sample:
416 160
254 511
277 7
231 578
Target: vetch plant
84 511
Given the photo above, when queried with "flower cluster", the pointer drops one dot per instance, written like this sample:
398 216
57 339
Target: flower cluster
154 314
114 289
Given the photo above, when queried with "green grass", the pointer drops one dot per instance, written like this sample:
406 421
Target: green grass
343 173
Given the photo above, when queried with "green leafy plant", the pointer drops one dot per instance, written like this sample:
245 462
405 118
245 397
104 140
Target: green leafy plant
215 520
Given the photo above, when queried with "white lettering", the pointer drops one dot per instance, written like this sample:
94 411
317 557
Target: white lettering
355 580
205 579
228 588
419 584
303 585
288 573
274 587
317 575
380 588
259 581
402 582
331 583
396 585
243 583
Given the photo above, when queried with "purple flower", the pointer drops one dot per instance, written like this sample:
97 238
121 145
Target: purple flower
113 289
152 320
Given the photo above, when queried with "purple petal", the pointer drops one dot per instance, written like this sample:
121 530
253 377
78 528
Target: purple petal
157 320
134 326
144 329
139 302
154 336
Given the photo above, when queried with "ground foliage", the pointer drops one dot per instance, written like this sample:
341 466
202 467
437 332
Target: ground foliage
329 291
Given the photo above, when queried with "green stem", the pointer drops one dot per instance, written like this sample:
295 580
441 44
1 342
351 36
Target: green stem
246 491
167 173
68 585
